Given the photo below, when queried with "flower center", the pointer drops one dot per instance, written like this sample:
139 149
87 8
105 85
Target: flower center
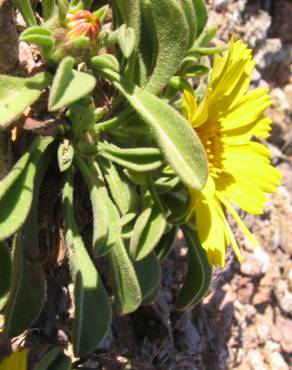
211 138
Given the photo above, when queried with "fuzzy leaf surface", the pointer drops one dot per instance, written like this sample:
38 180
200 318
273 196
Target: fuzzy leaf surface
92 307
126 287
17 188
148 273
172 37
17 94
69 85
177 140
199 273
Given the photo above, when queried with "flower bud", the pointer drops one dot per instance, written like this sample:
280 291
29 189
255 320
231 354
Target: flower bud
83 23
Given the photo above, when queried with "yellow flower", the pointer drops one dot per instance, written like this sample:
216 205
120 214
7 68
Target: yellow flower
16 361
227 120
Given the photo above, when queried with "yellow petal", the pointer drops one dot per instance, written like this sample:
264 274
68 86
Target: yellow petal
16 361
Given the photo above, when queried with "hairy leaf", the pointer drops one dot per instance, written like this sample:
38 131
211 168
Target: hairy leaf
148 229
172 42
106 228
69 85
201 15
148 273
165 244
175 137
92 307
26 11
28 278
199 273
16 190
136 159
126 287
17 94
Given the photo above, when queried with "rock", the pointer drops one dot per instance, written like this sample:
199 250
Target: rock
263 295
256 28
220 5
273 61
283 296
245 291
255 264
280 99
8 37
256 360
273 357
284 326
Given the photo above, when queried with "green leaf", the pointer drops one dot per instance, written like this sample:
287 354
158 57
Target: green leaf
118 189
125 283
136 159
163 184
199 273
48 9
17 189
105 61
17 94
106 228
130 10
148 229
171 41
190 14
54 360
152 297
28 278
201 15
175 137
26 11
165 244
5 273
65 156
28 289
69 85
178 205
102 13
63 8
92 307
125 38
195 71
148 273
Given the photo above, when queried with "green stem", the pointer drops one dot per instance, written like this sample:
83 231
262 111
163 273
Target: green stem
113 122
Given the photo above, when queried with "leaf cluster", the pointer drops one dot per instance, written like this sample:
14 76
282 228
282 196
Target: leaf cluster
112 106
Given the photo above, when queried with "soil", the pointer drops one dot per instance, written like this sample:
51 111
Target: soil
244 322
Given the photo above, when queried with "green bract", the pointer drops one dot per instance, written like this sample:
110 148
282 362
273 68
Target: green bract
112 127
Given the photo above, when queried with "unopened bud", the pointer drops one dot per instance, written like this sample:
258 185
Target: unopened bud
83 23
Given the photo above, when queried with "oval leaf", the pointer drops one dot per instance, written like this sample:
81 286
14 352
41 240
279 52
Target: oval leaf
126 287
172 42
175 137
16 94
16 190
148 273
69 85
199 273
